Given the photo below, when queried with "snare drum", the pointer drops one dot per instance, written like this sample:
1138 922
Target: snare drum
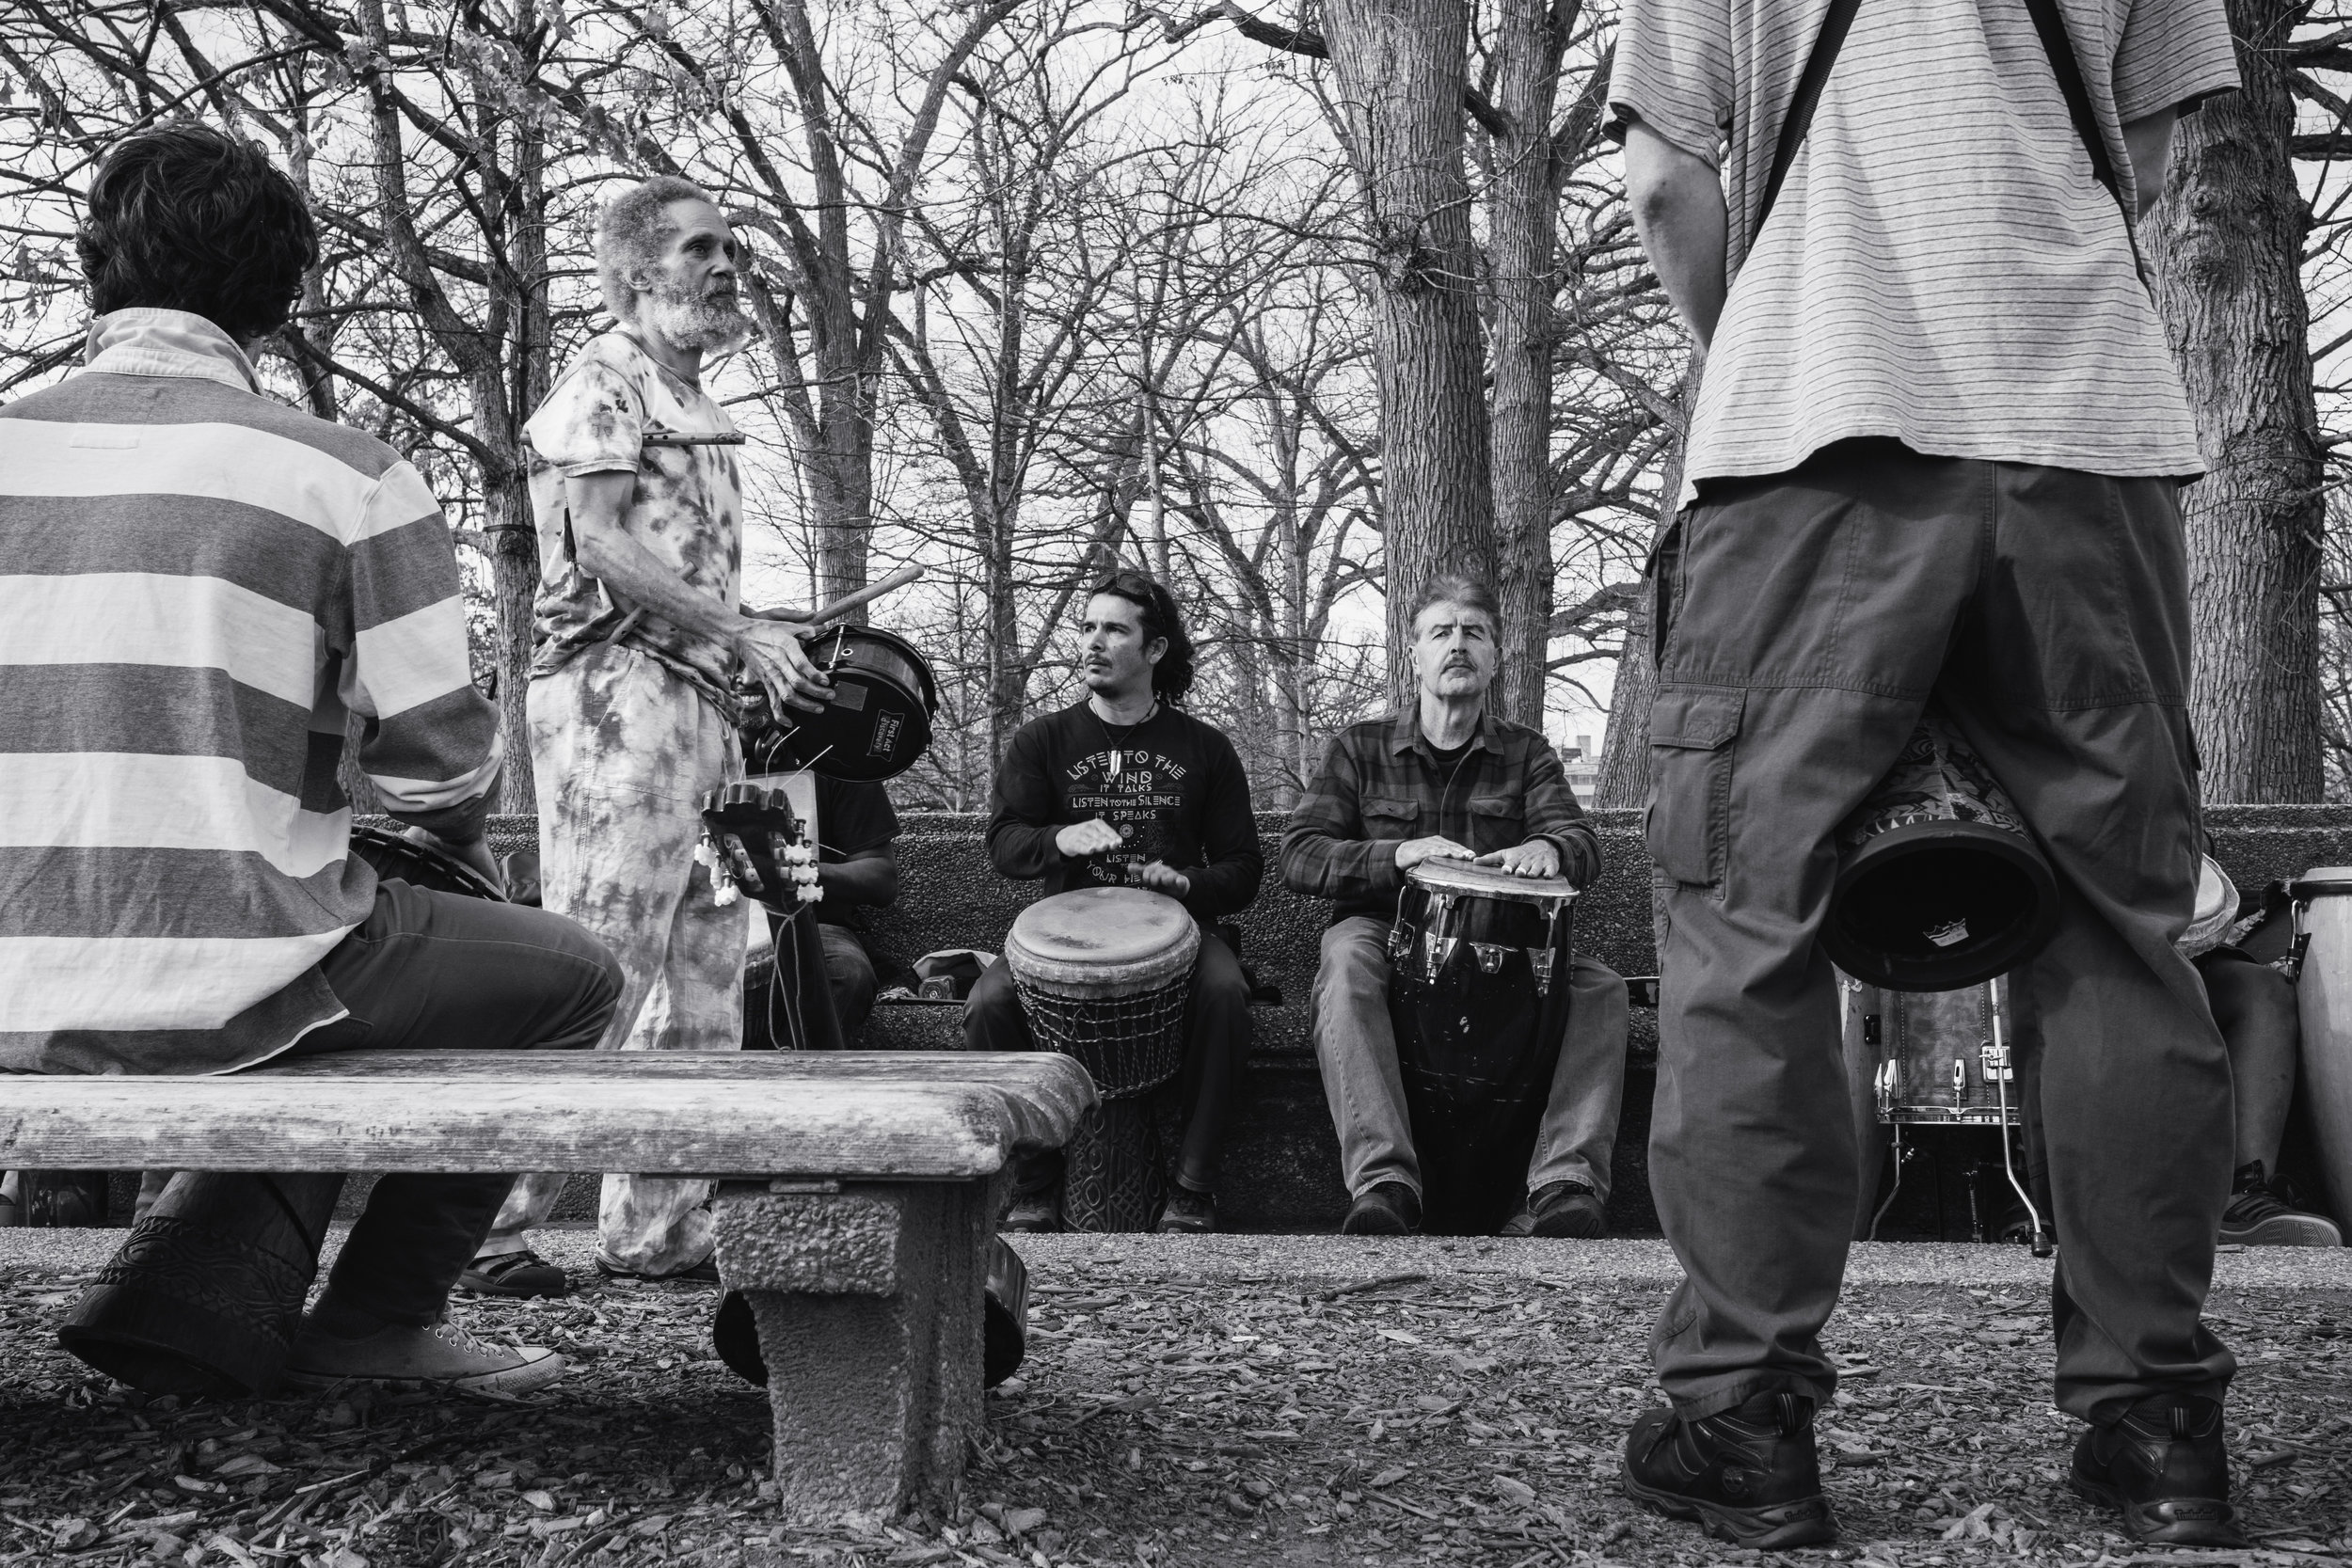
1479 997
1103 974
879 722
403 860
1944 1059
2323 918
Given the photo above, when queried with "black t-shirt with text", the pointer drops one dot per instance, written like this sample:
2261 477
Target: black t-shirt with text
1173 787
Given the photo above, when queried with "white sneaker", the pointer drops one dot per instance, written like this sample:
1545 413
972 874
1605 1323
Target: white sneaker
441 1356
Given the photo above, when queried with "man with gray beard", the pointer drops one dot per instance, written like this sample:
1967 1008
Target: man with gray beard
640 635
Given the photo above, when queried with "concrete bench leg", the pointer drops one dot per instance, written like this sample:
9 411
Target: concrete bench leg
868 1303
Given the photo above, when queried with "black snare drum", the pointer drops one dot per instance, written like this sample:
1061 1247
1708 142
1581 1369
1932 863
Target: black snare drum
403 860
877 726
1479 997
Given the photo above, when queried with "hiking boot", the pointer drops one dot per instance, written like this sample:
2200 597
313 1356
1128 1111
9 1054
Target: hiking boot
2164 1466
1036 1214
522 1276
1187 1213
704 1273
1391 1209
2257 1217
441 1356
1748 1476
1561 1211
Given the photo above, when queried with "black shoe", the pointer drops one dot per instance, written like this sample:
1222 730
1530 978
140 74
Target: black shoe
1187 1213
704 1273
2257 1217
1033 1213
2165 1466
1562 1211
1391 1209
520 1275
1748 1476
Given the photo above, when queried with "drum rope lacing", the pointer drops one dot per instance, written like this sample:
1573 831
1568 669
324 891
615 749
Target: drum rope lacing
1129 1045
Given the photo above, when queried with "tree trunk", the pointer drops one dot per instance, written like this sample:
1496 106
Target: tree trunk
1625 748
1522 232
1400 65
2225 245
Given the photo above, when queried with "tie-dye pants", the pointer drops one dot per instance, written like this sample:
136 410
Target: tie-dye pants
624 751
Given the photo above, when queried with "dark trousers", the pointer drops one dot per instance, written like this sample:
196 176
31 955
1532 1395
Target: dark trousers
1805 619
1216 1040
437 971
850 974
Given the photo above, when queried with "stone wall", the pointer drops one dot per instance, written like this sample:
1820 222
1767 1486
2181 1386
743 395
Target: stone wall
1282 1170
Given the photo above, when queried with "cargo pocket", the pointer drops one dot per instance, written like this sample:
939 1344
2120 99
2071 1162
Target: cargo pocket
1691 733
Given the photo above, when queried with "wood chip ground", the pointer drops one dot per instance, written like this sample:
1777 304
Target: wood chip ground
1446 1404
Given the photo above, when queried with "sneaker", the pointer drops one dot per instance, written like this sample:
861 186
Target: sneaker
704 1273
520 1275
1748 1476
2256 1217
1033 1213
1390 1209
1188 1212
441 1356
2164 1466
1562 1211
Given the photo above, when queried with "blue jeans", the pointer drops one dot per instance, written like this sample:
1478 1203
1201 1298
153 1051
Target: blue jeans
1356 1047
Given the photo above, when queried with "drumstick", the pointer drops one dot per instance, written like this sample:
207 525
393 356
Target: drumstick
847 602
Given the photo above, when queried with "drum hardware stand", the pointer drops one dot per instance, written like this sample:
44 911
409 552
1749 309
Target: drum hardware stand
1997 1068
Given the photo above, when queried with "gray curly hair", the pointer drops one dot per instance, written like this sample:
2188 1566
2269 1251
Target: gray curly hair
631 233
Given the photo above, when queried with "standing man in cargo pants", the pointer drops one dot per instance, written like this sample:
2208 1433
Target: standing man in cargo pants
1935 455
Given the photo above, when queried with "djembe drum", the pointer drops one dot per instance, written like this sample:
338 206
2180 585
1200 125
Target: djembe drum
1479 997
1940 884
1103 973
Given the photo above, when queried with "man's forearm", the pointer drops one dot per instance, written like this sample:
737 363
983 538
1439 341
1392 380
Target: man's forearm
1677 204
871 879
2149 142
630 572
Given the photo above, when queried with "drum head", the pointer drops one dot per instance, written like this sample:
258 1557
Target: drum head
1102 941
1940 905
1488 881
2321 881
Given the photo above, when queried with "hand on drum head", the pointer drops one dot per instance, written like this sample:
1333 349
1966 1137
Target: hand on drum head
1537 857
1435 848
475 856
1160 877
772 654
1093 836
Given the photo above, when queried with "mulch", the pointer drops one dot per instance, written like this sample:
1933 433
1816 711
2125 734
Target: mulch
1436 1412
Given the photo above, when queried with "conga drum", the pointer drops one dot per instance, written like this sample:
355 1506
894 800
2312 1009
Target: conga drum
2323 912
1479 997
1103 974
1940 884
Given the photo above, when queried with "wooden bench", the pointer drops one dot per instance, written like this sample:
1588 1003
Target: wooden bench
857 1196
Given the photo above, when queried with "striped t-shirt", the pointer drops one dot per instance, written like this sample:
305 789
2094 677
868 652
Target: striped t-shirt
198 587
1941 265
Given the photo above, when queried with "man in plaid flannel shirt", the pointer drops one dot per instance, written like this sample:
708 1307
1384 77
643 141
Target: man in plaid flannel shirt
1447 779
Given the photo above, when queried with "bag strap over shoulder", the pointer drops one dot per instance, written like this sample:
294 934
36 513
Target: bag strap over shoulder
1792 131
2049 23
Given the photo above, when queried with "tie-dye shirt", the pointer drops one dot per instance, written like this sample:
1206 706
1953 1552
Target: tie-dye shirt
687 510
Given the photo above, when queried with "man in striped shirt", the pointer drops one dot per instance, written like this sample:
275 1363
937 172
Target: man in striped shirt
1935 455
201 587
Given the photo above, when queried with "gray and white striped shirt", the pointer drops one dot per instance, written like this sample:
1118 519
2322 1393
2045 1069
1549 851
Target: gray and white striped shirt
1941 265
